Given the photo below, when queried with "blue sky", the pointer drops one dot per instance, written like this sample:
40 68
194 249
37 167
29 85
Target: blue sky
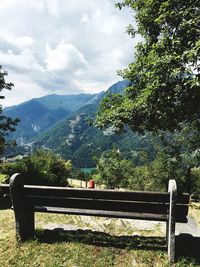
63 47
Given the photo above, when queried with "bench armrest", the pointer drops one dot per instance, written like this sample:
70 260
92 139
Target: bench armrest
172 187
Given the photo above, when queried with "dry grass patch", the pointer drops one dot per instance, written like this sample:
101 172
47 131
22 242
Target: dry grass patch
195 212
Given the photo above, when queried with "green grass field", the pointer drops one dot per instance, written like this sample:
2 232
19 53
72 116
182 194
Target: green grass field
113 244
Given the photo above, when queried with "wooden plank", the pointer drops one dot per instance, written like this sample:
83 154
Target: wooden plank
182 209
97 194
181 218
103 194
181 212
103 213
183 198
126 206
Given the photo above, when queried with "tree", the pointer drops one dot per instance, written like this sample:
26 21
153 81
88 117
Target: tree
112 170
165 74
7 124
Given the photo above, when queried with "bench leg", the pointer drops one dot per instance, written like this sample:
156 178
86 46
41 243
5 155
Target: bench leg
24 214
171 239
25 225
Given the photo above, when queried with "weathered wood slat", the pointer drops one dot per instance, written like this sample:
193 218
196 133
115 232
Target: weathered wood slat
103 213
98 194
82 203
103 194
111 214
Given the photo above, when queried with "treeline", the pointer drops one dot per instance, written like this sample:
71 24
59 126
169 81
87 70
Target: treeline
113 170
42 168
116 172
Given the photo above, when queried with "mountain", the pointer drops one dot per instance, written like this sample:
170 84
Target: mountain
70 103
38 114
74 138
34 118
61 123
118 88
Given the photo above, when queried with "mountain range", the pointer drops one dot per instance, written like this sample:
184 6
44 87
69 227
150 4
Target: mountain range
61 123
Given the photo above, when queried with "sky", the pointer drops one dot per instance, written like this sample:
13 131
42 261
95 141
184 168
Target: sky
62 46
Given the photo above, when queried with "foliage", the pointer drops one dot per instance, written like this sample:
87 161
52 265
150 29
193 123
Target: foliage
3 178
171 162
195 182
42 167
112 170
165 90
183 156
6 123
152 175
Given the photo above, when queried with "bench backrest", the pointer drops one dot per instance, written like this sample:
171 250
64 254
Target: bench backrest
147 203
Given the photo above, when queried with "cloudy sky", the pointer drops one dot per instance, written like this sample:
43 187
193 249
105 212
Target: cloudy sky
62 46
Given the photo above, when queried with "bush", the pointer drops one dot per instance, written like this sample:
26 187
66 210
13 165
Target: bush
112 170
41 168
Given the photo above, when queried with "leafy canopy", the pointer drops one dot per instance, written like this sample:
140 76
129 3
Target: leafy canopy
113 170
165 74
6 123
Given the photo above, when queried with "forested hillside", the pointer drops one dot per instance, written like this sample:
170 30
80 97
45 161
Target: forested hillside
62 124
38 114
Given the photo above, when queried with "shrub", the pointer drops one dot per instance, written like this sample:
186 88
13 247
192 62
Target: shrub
42 168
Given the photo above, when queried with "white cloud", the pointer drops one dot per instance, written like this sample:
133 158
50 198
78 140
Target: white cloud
25 61
18 41
62 46
85 19
64 57
53 7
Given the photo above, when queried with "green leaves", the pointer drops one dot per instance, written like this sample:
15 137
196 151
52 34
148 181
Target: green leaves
112 170
41 168
165 74
7 124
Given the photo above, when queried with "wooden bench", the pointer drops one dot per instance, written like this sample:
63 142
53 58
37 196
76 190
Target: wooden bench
169 207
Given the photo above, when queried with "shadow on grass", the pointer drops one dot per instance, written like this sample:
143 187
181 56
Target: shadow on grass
101 239
188 246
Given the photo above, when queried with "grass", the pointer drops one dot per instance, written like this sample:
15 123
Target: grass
195 212
114 244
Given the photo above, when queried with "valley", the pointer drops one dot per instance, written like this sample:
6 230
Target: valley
62 124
